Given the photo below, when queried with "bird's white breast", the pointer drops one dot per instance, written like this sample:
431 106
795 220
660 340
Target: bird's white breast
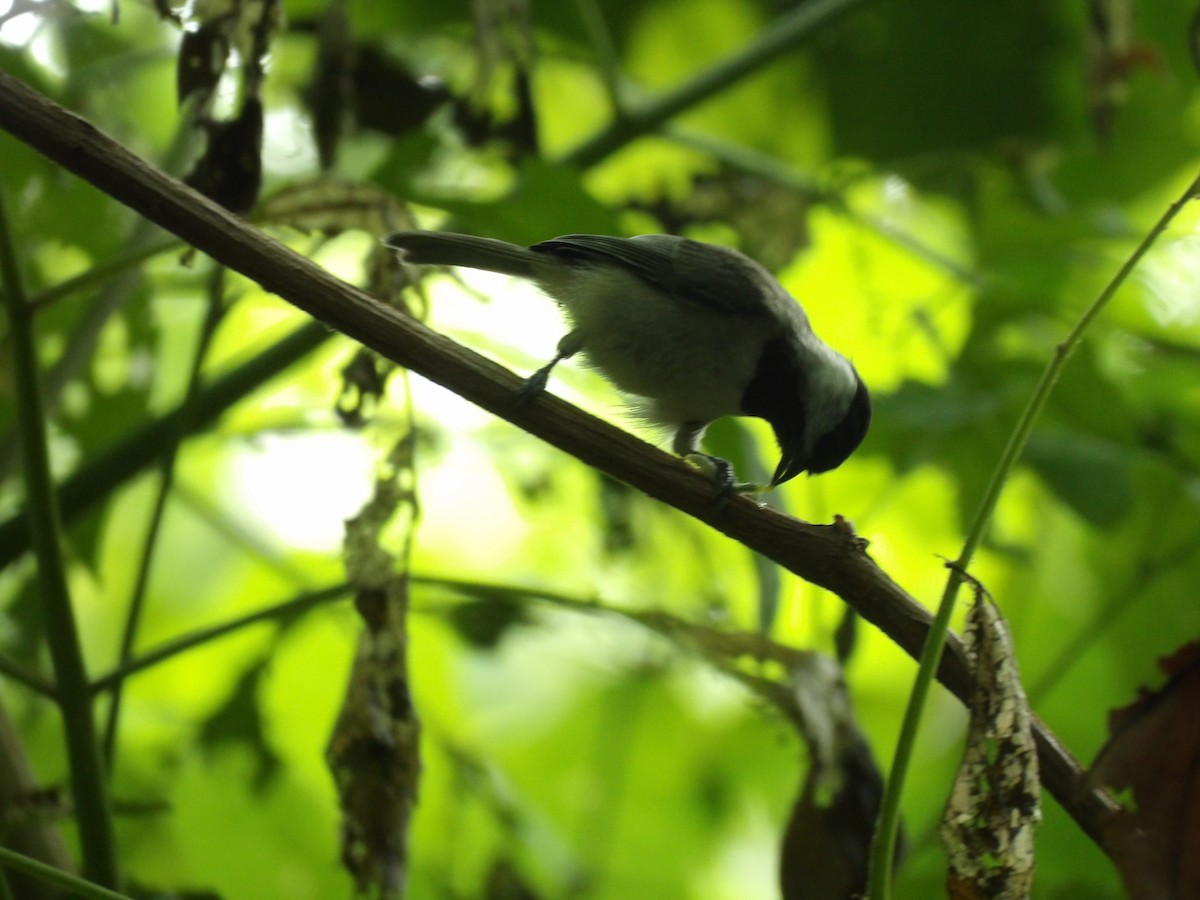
648 343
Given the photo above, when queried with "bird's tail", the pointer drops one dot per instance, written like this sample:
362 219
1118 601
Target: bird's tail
445 249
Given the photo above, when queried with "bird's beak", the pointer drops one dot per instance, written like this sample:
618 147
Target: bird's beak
791 463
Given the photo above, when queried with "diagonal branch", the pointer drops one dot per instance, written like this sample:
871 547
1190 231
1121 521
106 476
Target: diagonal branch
830 556
784 34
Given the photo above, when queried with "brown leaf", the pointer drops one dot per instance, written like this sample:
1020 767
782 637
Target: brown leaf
331 207
1154 755
374 753
1113 55
230 169
364 381
828 837
203 52
828 840
994 807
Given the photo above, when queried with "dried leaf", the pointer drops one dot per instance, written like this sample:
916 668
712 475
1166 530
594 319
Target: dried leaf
827 841
1113 55
364 380
328 94
994 807
771 220
374 751
330 207
828 837
201 63
230 169
1154 754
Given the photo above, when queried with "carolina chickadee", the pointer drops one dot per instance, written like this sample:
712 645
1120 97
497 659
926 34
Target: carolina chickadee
695 330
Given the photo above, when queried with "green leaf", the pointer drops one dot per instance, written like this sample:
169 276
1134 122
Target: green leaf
1090 475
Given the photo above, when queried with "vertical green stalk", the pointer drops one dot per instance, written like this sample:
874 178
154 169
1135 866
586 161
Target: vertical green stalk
74 697
884 842
166 480
605 52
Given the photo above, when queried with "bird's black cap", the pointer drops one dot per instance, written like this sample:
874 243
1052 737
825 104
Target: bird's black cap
835 446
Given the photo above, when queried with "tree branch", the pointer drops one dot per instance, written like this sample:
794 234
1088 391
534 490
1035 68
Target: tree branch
782 35
830 556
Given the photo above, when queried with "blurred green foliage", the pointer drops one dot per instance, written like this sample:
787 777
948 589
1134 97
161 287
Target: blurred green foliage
939 186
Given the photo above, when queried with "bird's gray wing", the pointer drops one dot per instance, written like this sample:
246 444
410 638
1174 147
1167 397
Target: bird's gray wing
712 277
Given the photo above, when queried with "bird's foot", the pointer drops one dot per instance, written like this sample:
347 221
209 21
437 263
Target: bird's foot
570 344
722 474
534 385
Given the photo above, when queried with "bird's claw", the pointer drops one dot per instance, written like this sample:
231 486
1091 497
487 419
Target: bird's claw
533 387
722 474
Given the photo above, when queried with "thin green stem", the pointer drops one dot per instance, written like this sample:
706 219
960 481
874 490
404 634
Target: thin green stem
606 54
166 479
883 845
86 890
62 635
113 294
97 274
101 272
202 636
783 35
96 480
1020 435
33 680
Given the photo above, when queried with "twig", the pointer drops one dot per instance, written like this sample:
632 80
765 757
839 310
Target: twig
65 367
201 636
785 34
33 680
62 635
114 294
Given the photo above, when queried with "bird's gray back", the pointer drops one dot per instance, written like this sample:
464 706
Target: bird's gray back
716 278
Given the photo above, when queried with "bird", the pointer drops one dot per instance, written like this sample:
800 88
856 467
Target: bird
692 331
